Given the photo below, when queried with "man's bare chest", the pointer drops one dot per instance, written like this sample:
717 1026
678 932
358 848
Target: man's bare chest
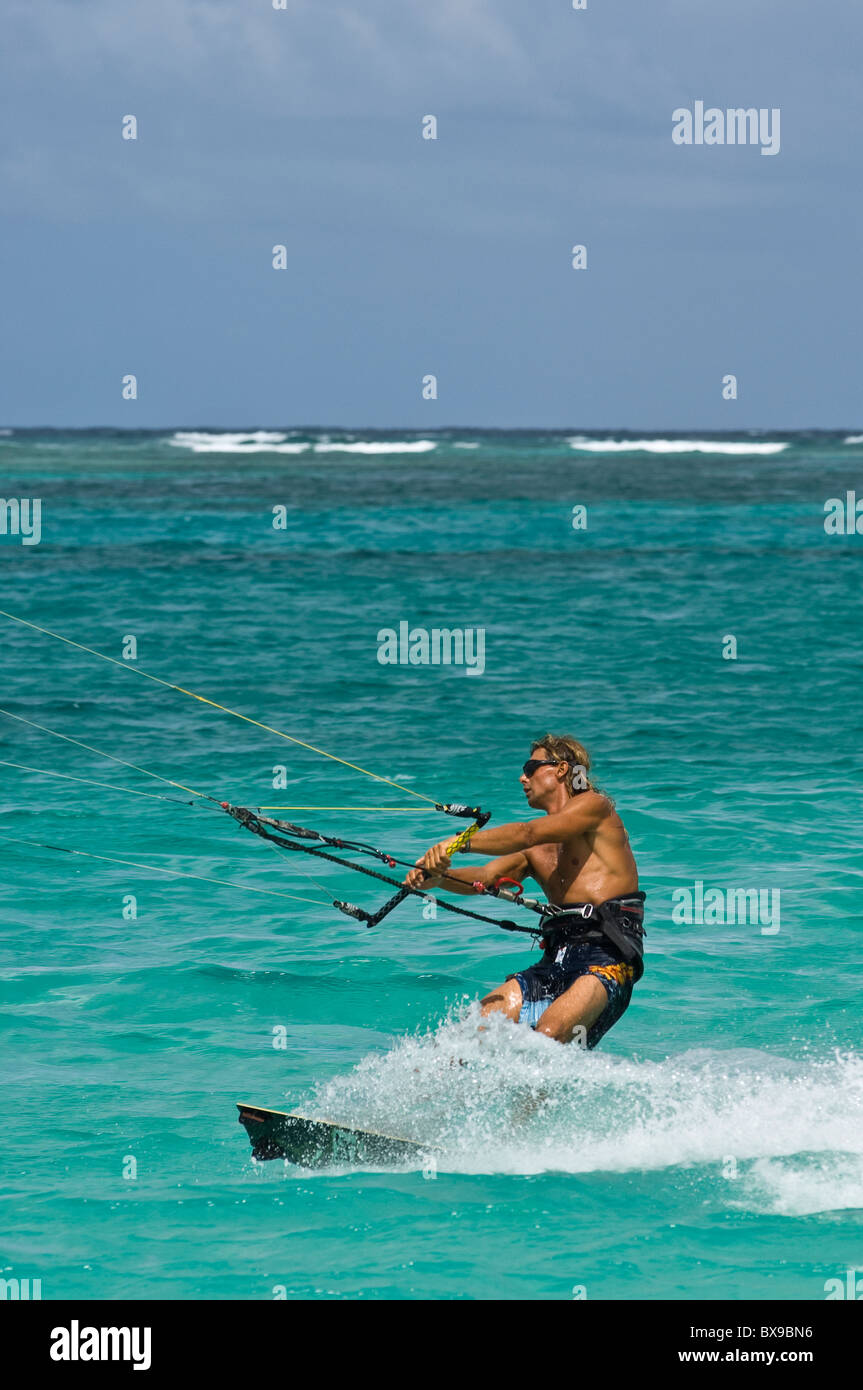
557 864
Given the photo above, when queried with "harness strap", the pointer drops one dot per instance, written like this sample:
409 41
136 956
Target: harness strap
627 939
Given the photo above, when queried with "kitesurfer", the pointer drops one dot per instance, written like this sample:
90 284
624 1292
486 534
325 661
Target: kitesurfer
579 853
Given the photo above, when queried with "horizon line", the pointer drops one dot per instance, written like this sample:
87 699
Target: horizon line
441 429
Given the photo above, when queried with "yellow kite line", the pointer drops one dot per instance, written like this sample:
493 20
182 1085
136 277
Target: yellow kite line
215 705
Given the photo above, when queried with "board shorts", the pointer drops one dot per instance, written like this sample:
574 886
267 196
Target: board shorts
544 982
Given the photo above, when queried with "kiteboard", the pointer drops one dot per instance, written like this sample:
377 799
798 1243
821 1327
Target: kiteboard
318 1143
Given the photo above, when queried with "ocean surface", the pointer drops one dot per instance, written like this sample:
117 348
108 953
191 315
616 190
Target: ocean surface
712 1146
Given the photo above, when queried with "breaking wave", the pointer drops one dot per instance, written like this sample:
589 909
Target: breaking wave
255 442
416 446
278 442
672 446
508 1100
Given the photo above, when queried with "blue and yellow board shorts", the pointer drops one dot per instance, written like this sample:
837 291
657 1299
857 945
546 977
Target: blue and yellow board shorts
544 982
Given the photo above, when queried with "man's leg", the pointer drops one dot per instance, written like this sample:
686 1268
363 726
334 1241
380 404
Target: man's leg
506 999
579 1006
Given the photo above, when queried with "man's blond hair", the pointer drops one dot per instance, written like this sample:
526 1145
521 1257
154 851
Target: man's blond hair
568 750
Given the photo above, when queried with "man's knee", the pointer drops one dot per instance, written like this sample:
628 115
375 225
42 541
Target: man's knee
563 1032
505 999
552 1030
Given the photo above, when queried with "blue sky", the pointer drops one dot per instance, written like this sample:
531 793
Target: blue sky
407 256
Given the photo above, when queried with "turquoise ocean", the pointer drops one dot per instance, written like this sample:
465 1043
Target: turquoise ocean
711 1147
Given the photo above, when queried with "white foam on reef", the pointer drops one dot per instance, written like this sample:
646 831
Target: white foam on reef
853 439
508 1100
254 442
277 442
417 446
672 446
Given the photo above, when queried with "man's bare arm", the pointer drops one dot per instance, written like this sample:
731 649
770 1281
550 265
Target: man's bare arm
507 866
518 836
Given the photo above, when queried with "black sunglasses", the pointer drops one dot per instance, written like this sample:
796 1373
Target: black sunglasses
533 763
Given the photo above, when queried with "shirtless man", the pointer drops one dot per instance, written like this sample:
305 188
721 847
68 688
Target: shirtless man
579 853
